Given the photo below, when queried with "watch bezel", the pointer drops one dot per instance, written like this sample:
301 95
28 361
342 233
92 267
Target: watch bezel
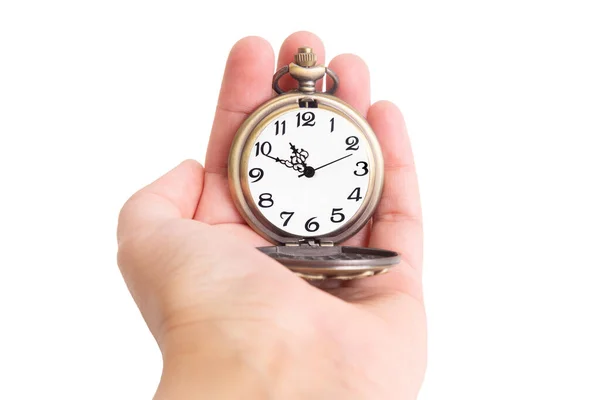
242 147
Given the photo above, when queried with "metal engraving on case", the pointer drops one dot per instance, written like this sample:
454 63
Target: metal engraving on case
332 253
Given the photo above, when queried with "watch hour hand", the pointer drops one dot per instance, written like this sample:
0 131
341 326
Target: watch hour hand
277 159
298 156
297 160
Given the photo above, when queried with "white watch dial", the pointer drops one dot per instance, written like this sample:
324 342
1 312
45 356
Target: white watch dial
309 170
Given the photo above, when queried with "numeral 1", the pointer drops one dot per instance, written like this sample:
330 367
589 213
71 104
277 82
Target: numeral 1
332 120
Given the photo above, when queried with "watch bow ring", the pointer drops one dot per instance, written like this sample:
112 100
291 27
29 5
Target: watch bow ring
306 173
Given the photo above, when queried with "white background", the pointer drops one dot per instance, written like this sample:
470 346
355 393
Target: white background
502 100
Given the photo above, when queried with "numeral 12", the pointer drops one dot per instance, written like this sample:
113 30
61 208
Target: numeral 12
305 119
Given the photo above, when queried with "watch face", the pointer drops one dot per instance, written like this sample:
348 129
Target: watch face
309 171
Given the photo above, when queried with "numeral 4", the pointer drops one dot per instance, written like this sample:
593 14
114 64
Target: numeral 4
355 195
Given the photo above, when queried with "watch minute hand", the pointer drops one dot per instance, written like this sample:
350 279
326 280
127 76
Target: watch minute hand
329 163
334 161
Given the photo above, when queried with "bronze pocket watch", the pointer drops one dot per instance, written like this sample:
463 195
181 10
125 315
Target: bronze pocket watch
306 173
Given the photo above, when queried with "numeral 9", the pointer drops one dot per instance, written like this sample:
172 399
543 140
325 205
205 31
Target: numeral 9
257 173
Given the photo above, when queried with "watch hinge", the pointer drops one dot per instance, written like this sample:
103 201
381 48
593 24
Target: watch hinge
310 243
308 102
326 243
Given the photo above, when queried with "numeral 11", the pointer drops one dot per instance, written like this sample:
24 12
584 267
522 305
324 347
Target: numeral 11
279 126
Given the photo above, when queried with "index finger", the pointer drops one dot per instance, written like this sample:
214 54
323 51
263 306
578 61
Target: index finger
246 85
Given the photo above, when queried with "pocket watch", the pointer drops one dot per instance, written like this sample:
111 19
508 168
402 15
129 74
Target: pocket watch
306 173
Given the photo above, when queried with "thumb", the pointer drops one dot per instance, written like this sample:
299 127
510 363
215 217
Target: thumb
180 270
172 197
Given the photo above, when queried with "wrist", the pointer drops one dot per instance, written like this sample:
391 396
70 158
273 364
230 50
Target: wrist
192 378
207 361
231 370
255 360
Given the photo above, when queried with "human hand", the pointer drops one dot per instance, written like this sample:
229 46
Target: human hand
232 323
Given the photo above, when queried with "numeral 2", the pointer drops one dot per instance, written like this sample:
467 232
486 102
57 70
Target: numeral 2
352 142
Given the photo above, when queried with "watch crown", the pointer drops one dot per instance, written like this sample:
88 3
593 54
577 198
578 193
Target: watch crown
305 57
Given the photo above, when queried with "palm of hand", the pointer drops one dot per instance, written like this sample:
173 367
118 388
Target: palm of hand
190 260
